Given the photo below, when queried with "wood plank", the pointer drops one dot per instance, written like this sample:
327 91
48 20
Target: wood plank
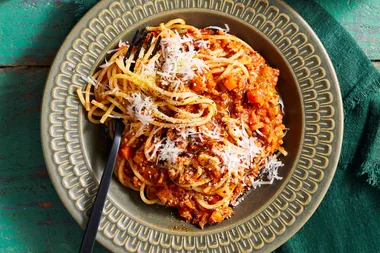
35 38
361 19
32 218
31 32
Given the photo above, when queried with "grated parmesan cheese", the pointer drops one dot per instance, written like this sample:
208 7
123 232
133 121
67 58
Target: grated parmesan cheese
121 43
113 50
232 157
155 147
281 102
238 157
286 131
114 117
141 107
90 79
248 143
169 152
268 170
225 30
202 130
106 64
178 59
214 134
148 71
205 44
260 133
271 168
190 132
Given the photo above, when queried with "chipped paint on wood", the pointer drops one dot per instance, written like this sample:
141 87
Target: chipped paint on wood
32 31
47 204
32 217
361 19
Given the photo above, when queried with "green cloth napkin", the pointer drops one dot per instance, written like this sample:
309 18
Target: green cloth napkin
348 220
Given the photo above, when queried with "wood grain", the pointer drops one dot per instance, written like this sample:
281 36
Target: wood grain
35 36
31 32
361 18
32 218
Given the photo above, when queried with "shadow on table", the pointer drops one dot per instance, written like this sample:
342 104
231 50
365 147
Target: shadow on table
32 218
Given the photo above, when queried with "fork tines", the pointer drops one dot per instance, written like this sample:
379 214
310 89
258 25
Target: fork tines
156 47
139 47
138 40
133 43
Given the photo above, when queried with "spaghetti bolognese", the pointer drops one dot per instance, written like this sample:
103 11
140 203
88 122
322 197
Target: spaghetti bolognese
204 122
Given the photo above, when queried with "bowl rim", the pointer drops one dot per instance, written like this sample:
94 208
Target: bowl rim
286 176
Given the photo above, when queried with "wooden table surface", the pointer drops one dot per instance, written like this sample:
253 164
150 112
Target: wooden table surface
32 218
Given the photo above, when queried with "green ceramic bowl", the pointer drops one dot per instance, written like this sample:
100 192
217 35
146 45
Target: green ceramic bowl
75 150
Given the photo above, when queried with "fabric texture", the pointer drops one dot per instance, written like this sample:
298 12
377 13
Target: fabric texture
348 219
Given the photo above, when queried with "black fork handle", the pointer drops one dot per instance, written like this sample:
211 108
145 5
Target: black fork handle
93 223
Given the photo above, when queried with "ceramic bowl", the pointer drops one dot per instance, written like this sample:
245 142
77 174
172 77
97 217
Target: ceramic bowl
76 150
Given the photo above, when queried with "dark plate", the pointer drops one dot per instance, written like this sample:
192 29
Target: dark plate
75 150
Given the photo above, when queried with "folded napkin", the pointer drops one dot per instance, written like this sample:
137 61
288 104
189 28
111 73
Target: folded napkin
348 220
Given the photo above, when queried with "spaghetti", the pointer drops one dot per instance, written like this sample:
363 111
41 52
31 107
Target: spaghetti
202 115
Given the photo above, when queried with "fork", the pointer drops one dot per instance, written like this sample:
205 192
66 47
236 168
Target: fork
96 212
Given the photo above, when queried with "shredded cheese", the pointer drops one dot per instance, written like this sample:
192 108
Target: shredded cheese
190 132
260 133
205 44
268 170
169 152
225 30
148 71
248 143
178 61
90 79
281 102
193 133
121 43
285 132
155 147
113 50
114 116
238 157
106 64
233 158
141 108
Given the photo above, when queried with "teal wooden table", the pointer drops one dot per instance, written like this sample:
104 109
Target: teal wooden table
32 218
